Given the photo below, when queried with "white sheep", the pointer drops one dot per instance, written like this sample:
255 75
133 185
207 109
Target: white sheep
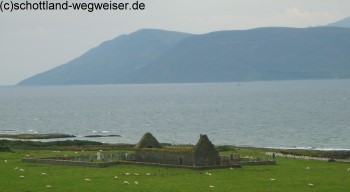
126 182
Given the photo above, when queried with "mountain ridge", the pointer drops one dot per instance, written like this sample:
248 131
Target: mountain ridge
341 23
159 56
110 61
242 46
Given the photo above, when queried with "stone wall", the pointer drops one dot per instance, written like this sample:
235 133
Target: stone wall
181 166
98 160
206 157
164 156
69 162
204 153
172 159
266 162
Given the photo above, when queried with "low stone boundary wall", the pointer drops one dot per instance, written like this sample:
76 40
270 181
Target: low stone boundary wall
55 161
69 162
296 156
269 162
180 166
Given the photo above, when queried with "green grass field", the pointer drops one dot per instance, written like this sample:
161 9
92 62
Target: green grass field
287 175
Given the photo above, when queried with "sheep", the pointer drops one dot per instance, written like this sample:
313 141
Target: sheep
136 183
126 182
44 174
87 179
211 186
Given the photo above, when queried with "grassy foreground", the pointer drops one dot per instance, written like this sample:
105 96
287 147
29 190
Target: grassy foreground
287 175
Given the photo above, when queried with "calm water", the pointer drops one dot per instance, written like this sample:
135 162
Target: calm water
303 114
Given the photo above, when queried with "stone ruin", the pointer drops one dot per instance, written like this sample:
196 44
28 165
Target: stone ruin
202 154
149 151
148 141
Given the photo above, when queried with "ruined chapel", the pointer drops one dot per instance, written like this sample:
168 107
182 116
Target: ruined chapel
149 150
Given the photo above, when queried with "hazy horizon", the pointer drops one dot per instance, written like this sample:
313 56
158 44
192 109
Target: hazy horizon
36 41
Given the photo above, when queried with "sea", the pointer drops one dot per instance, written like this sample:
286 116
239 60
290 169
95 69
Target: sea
306 114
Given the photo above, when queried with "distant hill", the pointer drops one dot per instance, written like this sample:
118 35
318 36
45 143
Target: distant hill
114 61
156 56
257 54
342 23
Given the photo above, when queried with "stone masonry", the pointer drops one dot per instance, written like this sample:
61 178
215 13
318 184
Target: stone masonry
202 154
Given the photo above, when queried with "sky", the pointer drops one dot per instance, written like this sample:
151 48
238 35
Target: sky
32 42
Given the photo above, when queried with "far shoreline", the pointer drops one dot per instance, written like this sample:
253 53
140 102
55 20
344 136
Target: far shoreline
61 137
64 141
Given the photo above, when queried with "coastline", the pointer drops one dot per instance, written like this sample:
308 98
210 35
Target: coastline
89 143
105 139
